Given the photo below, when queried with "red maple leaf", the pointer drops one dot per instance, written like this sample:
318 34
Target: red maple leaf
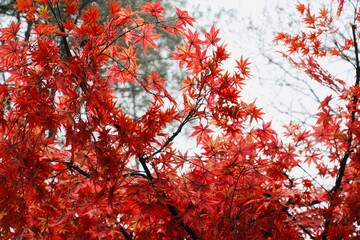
211 37
154 9
147 36
184 17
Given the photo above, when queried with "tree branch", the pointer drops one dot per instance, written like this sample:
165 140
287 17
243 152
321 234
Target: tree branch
174 135
127 236
345 158
28 30
302 227
171 208
146 169
71 165
356 56
174 212
62 29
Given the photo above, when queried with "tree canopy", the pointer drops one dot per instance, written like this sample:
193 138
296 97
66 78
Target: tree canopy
241 183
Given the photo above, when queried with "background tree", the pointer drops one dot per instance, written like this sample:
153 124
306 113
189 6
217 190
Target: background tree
241 183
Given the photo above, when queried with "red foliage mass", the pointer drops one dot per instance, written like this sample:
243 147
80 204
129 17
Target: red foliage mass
240 185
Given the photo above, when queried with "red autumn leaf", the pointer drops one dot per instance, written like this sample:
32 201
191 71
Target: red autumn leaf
90 15
254 112
71 6
201 132
184 17
114 7
301 8
211 37
147 37
45 29
193 39
23 5
243 66
10 33
154 9
307 183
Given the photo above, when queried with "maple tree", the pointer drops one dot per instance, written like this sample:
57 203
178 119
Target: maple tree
239 184
135 100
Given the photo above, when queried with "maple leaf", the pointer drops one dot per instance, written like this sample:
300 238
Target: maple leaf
154 9
325 103
147 37
182 53
45 29
119 74
114 7
71 6
335 52
23 5
128 54
154 82
12 53
301 8
254 112
349 43
124 16
280 36
69 24
211 37
243 66
221 53
184 17
10 33
202 132
193 38
266 132
90 15
307 183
